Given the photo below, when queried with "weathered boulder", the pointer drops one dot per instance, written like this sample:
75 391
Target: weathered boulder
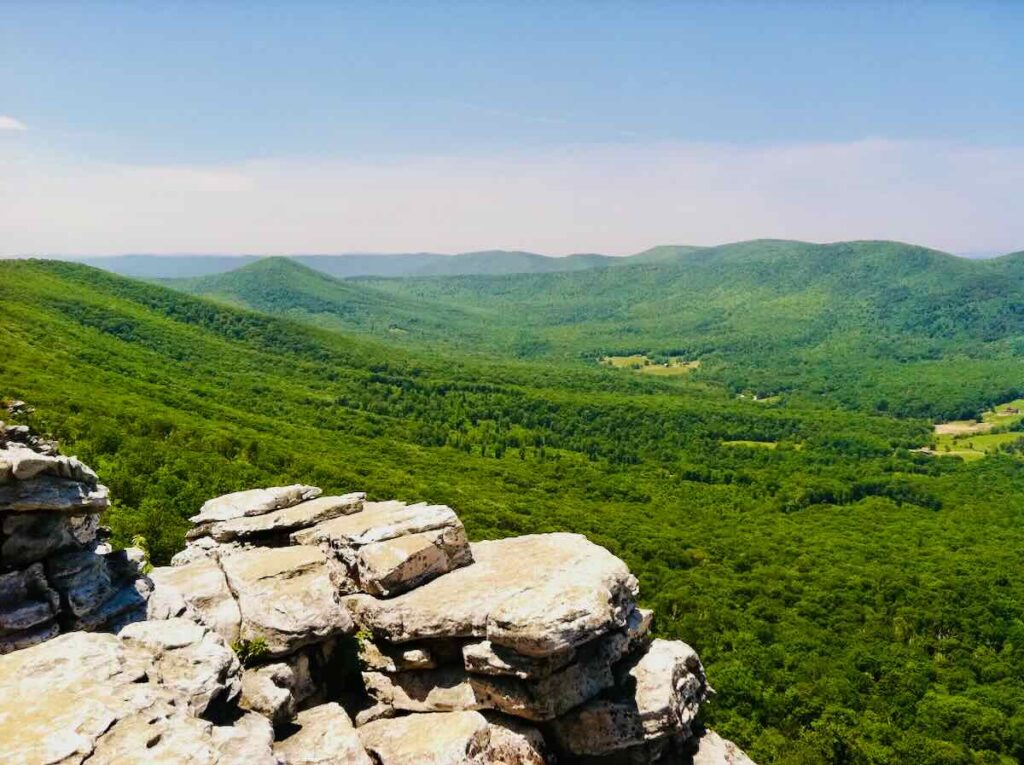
198 590
514 742
657 697
391 547
98 591
188 658
282 522
267 690
31 537
670 686
253 502
537 595
712 749
485 657
452 738
82 579
286 597
96 697
323 735
28 609
381 657
163 737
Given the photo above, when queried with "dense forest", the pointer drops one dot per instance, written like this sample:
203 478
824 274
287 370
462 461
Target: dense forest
855 601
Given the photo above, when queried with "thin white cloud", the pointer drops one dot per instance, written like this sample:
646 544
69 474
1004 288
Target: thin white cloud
603 198
9 123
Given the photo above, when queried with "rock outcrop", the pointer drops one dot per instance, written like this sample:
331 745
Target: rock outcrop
55 573
302 629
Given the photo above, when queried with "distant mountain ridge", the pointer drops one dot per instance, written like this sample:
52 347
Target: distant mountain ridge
344 266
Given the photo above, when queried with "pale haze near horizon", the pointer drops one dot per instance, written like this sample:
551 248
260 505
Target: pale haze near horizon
587 128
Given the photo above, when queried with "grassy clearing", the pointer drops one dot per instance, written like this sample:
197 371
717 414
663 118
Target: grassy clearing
755 444
973 446
634 361
638 362
974 439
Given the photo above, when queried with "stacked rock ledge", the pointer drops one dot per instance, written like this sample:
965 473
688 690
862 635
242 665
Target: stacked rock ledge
56 574
523 651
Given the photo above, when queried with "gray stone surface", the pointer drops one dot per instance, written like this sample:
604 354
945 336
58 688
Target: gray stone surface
241 504
288 519
538 595
324 736
188 658
267 690
59 495
92 697
286 597
31 537
657 696
198 590
28 608
452 738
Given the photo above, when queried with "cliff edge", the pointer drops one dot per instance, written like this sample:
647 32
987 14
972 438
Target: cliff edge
302 629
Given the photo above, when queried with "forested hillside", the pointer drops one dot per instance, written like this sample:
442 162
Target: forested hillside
855 602
877 326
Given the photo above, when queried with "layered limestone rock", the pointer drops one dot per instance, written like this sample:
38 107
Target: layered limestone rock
520 651
55 575
391 547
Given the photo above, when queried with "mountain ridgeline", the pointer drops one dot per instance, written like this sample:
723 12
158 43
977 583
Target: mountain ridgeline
879 326
388 265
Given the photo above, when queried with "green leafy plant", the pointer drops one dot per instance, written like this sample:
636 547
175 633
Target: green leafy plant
140 542
250 651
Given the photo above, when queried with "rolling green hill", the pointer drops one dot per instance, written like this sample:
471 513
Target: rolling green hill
287 288
854 601
878 326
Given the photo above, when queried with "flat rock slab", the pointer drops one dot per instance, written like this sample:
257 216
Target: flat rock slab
322 735
377 522
536 595
453 738
241 504
56 495
288 519
190 659
21 463
198 590
92 697
286 596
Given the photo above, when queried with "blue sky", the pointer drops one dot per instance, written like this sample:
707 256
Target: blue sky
507 124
